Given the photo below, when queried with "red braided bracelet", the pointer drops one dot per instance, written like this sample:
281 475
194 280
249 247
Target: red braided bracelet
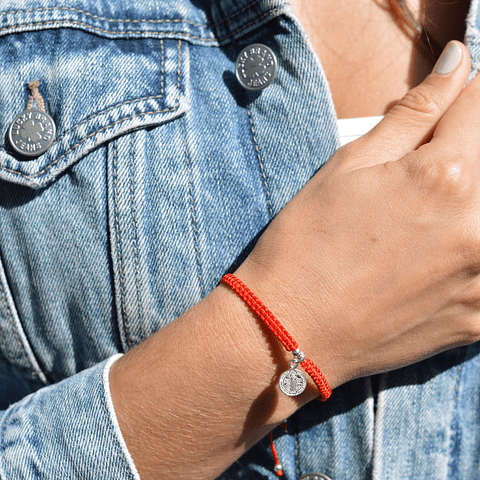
293 381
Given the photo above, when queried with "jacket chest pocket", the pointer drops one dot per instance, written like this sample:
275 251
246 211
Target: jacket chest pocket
61 274
95 89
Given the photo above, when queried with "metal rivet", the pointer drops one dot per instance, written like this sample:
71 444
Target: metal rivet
31 133
256 67
314 476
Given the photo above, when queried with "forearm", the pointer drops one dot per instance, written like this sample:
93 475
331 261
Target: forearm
371 266
201 391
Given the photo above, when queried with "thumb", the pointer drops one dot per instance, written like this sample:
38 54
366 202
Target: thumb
411 122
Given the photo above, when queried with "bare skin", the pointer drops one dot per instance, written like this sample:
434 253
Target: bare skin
369 62
395 257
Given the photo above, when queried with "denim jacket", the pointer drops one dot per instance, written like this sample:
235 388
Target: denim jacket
163 173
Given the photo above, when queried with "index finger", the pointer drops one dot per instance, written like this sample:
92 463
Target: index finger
459 128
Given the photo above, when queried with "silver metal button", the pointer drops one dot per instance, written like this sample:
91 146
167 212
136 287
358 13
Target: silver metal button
314 476
256 67
31 132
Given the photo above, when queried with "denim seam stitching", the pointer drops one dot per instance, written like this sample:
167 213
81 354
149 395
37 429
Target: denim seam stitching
140 32
119 247
194 222
135 244
192 209
50 22
457 385
162 81
118 105
111 32
265 182
236 13
48 167
411 460
97 114
179 71
112 430
243 27
296 453
97 17
108 126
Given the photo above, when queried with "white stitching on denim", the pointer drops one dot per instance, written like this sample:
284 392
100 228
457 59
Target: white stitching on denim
192 209
97 114
119 246
135 244
119 249
118 105
297 453
108 126
67 23
265 182
162 82
179 71
457 383
84 139
88 14
192 205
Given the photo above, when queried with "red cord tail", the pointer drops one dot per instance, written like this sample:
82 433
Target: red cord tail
278 466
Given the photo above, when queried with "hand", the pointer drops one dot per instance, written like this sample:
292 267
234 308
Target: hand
371 266
374 264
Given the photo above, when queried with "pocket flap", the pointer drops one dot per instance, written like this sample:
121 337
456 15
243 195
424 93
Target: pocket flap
95 89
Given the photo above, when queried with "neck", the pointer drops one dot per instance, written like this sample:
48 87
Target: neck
369 60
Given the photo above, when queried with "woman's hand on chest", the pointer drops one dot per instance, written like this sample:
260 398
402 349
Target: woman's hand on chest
374 264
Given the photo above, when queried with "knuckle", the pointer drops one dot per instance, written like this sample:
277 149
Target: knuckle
351 156
449 176
421 100
470 333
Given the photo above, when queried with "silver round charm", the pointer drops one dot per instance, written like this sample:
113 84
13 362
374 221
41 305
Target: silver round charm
31 133
292 382
256 67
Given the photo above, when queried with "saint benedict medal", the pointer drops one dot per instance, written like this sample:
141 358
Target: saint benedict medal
293 382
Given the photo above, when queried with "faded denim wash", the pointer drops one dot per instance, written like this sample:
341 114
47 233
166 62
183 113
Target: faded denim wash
163 173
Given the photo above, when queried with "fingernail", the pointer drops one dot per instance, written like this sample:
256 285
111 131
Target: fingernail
449 59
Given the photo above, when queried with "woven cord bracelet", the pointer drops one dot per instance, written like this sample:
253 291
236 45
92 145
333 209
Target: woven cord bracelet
292 382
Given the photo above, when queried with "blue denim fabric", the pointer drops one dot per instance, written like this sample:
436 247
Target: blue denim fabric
163 174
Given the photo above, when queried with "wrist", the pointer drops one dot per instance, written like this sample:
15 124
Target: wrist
216 369
262 356
293 381
298 311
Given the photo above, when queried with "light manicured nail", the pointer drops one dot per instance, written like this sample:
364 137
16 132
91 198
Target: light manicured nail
449 59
